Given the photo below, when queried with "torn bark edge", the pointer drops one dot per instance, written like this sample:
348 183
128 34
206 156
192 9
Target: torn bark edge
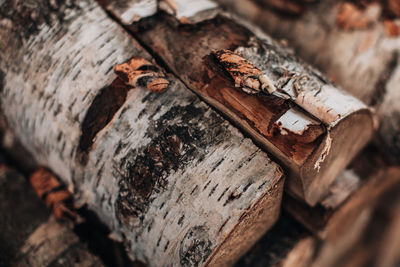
133 11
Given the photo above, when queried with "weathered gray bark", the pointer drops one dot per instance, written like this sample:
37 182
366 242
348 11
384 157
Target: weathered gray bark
314 150
364 61
29 235
165 173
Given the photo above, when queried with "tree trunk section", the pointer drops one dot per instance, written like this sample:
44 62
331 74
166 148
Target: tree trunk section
169 176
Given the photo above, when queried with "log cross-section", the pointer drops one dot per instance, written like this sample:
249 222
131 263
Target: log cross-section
315 133
169 176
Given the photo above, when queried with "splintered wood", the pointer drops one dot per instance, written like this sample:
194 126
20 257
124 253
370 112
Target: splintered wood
170 178
295 113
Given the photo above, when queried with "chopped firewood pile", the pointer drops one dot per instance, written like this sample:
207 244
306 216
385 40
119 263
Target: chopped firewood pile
200 133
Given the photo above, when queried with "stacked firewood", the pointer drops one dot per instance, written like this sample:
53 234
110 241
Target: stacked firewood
195 138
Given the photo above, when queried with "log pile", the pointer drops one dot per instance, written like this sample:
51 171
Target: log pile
184 129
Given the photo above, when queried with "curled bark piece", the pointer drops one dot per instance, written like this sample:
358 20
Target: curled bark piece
331 124
140 72
244 74
169 176
55 196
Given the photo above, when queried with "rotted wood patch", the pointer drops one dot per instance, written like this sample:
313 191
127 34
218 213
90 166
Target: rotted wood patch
177 139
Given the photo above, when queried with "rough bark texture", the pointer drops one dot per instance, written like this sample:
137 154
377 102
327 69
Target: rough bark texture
287 128
364 60
29 235
165 173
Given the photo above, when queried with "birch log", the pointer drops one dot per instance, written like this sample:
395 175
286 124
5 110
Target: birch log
29 235
315 133
363 59
164 172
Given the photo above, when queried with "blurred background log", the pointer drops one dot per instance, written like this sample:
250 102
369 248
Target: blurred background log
29 234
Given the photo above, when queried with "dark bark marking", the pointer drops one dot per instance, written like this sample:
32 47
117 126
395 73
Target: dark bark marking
179 198
195 247
99 114
212 190
179 137
205 187
180 221
194 189
223 225
223 193
166 246
217 165
234 195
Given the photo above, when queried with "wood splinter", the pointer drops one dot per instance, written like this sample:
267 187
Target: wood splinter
246 75
138 72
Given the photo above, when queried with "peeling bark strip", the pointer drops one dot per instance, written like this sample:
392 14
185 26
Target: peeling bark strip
54 195
315 132
138 72
29 235
364 61
169 176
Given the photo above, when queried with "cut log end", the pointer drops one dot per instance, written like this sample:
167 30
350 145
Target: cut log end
336 151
